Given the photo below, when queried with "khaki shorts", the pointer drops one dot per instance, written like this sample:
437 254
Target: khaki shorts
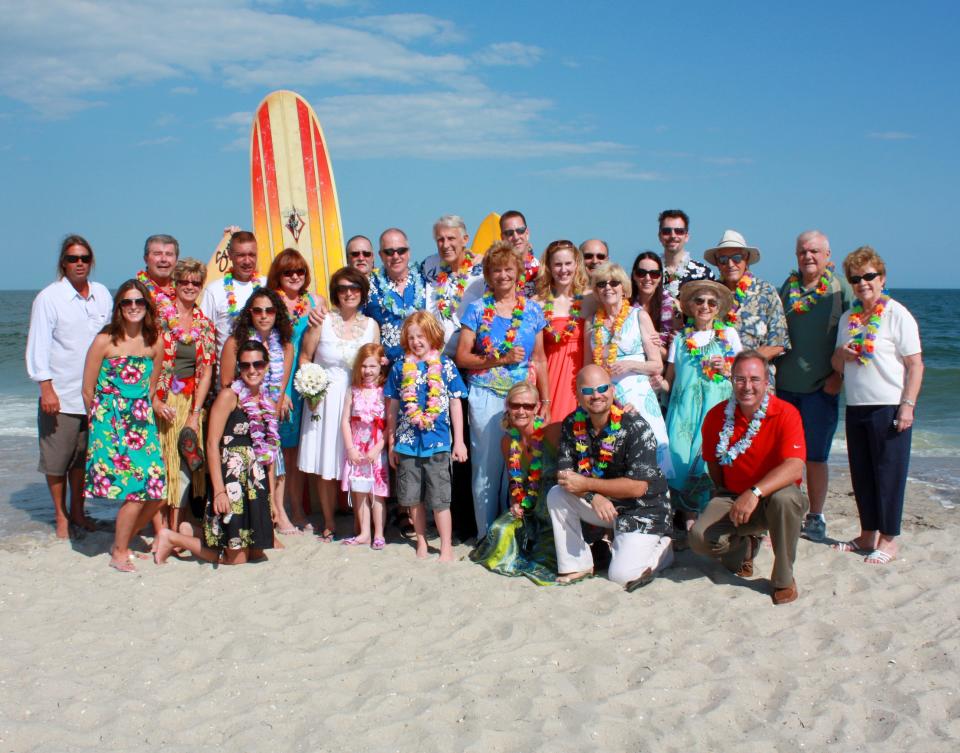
424 480
63 442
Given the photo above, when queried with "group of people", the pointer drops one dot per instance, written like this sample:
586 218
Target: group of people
671 404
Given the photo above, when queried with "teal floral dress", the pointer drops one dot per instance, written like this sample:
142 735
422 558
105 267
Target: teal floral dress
124 460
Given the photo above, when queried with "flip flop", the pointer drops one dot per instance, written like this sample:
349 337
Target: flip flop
378 544
849 546
352 541
291 531
123 567
328 536
878 557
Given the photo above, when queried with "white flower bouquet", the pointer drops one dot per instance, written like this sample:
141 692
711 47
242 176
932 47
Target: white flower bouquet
312 381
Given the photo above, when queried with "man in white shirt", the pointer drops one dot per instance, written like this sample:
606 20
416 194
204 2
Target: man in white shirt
65 317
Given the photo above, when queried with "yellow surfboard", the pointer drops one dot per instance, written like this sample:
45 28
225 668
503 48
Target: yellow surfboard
488 233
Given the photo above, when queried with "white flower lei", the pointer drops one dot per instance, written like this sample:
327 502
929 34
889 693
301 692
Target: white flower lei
726 454
386 285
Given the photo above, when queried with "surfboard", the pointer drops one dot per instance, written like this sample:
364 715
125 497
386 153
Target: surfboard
294 196
488 233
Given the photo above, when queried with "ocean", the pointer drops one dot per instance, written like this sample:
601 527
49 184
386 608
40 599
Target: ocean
25 505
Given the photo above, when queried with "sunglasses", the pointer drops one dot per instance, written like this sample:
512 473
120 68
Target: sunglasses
673 231
294 272
252 365
514 231
732 259
183 283
598 257
653 274
129 303
77 258
868 277
358 254
347 288
600 390
260 310
701 301
604 283
523 406
391 252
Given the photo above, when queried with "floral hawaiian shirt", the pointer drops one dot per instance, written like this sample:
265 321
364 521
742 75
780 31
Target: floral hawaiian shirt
761 321
409 439
389 308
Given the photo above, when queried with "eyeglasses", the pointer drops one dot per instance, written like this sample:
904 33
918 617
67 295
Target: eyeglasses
77 258
673 231
514 231
347 288
391 252
294 272
128 303
598 257
701 301
358 254
868 277
252 365
653 274
742 380
604 283
732 259
523 406
183 282
260 310
600 390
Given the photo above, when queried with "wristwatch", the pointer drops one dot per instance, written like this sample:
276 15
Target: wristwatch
588 497
756 491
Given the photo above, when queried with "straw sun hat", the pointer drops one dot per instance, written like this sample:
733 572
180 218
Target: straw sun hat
691 289
732 242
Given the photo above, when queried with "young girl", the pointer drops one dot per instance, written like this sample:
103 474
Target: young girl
362 426
424 390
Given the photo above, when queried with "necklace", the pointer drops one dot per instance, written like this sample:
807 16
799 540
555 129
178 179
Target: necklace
696 352
606 356
797 299
739 295
387 286
863 334
177 332
585 464
567 332
727 454
423 419
448 301
231 296
357 325
300 306
163 297
275 367
487 347
524 491
263 421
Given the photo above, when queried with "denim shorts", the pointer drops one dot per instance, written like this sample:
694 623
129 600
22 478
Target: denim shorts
820 413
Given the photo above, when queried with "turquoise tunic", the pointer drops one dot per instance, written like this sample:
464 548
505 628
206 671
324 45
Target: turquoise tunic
290 429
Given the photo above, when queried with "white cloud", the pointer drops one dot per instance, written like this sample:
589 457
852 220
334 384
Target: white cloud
890 135
509 53
407 27
234 120
605 170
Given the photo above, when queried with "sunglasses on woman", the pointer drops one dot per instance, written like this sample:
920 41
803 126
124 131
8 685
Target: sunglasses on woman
732 259
347 288
600 389
653 274
129 303
252 365
868 277
604 283
701 301
523 406
183 282
294 272
261 310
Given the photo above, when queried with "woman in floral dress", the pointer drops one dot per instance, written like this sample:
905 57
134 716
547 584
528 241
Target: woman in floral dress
124 460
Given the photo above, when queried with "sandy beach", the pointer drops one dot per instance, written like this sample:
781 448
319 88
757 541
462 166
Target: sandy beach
325 648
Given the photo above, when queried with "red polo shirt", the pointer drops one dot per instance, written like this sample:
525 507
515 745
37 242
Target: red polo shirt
780 437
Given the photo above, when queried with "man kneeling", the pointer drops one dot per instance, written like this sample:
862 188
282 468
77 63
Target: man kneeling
608 476
755 452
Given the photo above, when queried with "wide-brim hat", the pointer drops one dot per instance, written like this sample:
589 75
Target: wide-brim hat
690 289
732 241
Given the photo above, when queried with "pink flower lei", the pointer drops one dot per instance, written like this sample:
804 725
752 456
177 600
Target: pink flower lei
263 422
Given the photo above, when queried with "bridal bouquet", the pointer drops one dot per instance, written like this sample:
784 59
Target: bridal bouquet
312 381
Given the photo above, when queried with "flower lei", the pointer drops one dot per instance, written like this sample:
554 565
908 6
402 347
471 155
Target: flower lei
299 308
386 285
585 464
178 333
739 295
575 318
422 419
696 352
231 296
608 354
727 454
163 297
449 300
275 366
863 335
263 422
800 303
483 331
524 491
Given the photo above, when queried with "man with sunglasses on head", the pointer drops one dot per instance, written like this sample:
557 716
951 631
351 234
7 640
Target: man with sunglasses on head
608 476
595 252
360 255
397 289
678 267
65 317
754 447
514 230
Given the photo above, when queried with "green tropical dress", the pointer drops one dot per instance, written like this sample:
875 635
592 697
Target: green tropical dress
124 459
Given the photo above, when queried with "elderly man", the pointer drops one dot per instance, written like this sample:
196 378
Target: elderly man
754 448
360 254
65 317
396 290
678 267
814 298
160 254
514 230
595 252
608 476
757 313
224 299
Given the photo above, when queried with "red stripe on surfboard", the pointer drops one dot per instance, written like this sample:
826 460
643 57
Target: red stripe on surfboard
260 227
275 244
328 198
317 239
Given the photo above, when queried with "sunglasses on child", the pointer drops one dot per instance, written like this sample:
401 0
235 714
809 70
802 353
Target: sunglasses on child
599 389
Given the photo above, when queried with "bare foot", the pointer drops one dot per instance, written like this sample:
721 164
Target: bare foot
164 548
87 524
446 553
63 529
568 578
423 551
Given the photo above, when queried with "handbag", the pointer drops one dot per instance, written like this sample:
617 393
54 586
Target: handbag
189 446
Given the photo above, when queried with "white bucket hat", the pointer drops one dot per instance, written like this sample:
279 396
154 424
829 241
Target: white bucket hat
732 241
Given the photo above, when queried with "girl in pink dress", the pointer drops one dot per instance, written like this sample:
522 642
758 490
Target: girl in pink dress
362 424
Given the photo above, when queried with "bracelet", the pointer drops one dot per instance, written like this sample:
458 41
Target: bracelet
545 402
911 403
224 491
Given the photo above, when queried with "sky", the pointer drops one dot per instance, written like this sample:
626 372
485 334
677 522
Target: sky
122 119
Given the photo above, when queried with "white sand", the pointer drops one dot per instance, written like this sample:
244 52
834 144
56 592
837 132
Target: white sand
326 648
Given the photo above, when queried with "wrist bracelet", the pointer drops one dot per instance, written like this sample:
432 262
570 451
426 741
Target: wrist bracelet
911 403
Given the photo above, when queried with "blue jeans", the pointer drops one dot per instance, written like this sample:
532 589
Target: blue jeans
489 468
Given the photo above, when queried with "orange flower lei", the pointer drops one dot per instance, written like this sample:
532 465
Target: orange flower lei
448 300
739 296
608 353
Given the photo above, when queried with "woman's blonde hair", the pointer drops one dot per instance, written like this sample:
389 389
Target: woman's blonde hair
518 388
545 277
610 271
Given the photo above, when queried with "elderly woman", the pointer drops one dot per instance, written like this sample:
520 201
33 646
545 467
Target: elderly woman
334 345
698 377
501 343
622 340
189 352
520 542
650 295
878 351
562 292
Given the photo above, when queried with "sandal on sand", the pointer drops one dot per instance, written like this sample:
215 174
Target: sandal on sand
378 544
123 567
849 546
879 557
327 537
291 531
352 541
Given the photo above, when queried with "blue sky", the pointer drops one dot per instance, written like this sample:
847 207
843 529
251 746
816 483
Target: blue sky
122 119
